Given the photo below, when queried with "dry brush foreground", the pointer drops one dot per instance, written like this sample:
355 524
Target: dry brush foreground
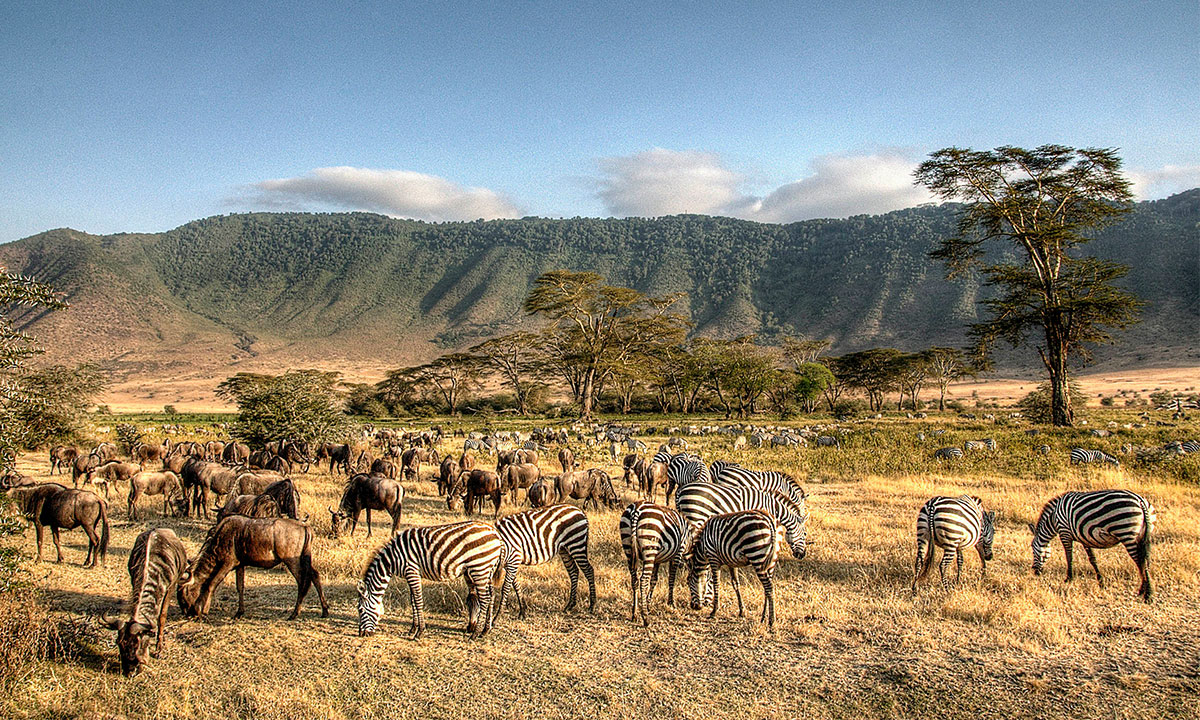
851 641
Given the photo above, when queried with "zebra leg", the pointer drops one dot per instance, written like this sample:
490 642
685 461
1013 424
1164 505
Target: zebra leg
573 574
737 590
510 583
1091 556
671 571
633 588
958 560
768 613
948 555
417 600
1140 553
714 574
586 566
646 588
653 580
1068 548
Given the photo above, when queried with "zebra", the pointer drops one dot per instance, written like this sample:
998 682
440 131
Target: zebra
985 444
685 469
652 535
727 473
733 540
1189 446
1083 456
1096 519
437 552
953 524
700 501
828 441
663 455
948 453
534 537
635 445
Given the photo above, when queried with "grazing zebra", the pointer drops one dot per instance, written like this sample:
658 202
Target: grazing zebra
662 456
534 537
1189 447
1083 456
700 501
1043 449
727 473
979 445
733 540
685 469
651 535
828 441
953 524
438 552
948 453
1097 519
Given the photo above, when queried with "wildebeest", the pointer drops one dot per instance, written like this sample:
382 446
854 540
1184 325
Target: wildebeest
81 466
156 561
384 467
474 486
255 506
518 476
338 455
238 542
538 494
235 453
253 482
105 451
165 483
61 457
367 492
566 458
594 485
144 453
525 456
466 462
110 472
635 470
65 508
200 478
412 458
447 472
214 450
286 496
12 479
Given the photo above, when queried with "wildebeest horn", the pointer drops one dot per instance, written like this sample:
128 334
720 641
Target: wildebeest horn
331 510
111 623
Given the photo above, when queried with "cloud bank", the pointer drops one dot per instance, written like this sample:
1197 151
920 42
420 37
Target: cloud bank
1164 181
666 182
399 193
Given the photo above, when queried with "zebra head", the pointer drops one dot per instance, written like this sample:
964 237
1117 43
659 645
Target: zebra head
987 533
1043 532
698 573
796 529
370 607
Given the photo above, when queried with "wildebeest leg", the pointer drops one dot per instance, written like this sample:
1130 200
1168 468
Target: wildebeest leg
57 544
354 523
93 554
302 572
162 622
396 521
133 496
37 525
496 502
240 573
368 522
737 590
1091 555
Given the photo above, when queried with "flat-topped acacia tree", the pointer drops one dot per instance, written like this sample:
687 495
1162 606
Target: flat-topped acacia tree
1039 202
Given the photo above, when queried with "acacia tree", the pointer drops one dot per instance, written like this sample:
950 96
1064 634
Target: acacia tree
811 380
911 375
1041 202
799 351
299 405
450 376
601 326
514 358
945 365
876 372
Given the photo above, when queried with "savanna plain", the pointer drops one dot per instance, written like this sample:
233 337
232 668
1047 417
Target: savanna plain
851 640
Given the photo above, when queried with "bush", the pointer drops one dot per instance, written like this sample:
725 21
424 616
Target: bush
1036 405
1108 401
55 398
301 405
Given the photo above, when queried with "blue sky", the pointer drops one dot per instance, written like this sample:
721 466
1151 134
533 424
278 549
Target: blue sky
142 116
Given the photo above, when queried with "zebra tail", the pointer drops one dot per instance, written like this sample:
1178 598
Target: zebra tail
1143 546
633 532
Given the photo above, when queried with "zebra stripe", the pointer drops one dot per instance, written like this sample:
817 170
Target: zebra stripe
663 455
440 552
1083 456
685 469
954 524
536 536
948 453
978 445
1097 519
734 540
650 536
1189 446
700 501
727 473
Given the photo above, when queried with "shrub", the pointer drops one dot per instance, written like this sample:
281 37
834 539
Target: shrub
1036 405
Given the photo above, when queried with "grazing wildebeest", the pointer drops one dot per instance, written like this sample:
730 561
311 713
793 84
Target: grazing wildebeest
367 492
253 482
594 485
412 458
164 483
286 496
235 453
255 506
448 471
466 462
566 458
238 542
105 451
110 472
65 509
538 494
61 457
214 450
296 452
339 457
384 467
200 478
474 486
635 470
518 476
156 561
81 466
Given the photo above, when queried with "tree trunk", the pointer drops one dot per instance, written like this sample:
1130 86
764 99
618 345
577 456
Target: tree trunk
585 394
942 398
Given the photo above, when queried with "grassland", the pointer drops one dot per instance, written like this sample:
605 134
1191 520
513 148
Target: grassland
851 641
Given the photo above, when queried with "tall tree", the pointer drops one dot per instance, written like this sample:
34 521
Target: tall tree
451 376
946 365
603 325
811 380
799 351
299 405
876 372
1040 202
514 358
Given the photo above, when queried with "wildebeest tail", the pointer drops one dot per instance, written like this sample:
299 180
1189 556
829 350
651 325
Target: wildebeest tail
103 531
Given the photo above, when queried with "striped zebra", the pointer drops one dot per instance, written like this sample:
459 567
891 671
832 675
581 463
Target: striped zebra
1083 456
1097 519
733 540
470 549
685 469
1189 447
536 536
948 453
954 524
700 501
652 535
728 473
980 445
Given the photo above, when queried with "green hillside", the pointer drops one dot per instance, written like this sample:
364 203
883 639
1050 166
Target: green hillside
379 289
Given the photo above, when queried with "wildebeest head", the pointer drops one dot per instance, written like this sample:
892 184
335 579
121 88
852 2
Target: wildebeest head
188 592
338 519
133 644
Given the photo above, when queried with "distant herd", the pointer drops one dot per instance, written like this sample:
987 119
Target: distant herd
724 515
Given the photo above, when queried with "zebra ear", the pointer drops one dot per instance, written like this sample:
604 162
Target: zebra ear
1031 529
978 500
362 588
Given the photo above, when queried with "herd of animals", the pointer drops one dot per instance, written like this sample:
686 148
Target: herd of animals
714 515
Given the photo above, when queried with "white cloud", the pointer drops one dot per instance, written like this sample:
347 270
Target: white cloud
664 182
1161 182
400 193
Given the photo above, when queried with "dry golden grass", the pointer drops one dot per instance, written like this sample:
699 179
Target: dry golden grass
850 642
